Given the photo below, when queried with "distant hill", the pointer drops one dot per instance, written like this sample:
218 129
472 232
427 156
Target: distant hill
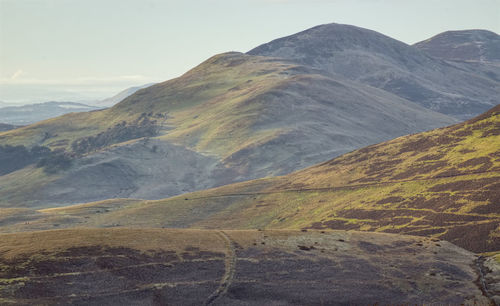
380 61
31 113
466 45
7 127
443 183
232 118
120 96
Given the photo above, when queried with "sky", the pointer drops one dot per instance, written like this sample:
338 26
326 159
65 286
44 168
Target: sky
85 50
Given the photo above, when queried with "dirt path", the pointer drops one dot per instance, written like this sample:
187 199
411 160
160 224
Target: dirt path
230 264
338 188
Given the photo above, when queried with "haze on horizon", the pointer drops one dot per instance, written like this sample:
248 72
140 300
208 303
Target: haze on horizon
88 50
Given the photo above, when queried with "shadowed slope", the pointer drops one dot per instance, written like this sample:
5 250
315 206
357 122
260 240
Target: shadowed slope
380 61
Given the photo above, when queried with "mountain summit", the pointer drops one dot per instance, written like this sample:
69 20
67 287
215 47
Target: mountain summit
380 61
467 45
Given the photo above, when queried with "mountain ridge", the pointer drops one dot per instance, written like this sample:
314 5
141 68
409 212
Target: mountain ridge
383 62
230 116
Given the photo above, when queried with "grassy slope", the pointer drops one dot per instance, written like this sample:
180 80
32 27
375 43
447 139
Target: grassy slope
443 183
196 104
228 77
156 266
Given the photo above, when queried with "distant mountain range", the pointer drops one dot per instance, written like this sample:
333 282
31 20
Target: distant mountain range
283 106
108 102
6 127
31 113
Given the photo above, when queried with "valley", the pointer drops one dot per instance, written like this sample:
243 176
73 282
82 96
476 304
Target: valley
333 166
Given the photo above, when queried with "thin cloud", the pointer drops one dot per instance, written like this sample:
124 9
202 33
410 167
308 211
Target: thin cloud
17 74
87 80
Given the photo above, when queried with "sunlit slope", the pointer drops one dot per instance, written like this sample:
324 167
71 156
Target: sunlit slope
443 183
234 117
208 267
210 79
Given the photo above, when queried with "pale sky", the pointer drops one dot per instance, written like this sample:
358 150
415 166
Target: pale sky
78 50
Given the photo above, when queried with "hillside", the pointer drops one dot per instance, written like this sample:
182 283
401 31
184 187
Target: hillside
467 45
232 118
442 183
380 61
193 267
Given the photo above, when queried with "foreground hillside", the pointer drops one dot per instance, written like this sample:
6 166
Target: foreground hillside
193 267
443 183
234 117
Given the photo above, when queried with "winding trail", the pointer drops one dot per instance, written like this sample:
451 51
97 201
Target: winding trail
230 265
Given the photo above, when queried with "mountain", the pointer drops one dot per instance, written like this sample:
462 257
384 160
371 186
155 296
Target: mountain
467 45
380 61
31 113
443 183
232 118
196 267
120 96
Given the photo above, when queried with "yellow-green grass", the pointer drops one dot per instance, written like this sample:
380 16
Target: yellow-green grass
140 239
207 109
210 109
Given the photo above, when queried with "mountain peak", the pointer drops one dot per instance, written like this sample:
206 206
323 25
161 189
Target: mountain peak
463 45
327 38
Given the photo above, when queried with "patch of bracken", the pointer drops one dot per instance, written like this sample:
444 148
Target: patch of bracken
420 169
378 166
391 200
436 156
484 161
465 151
474 237
463 132
440 202
491 194
486 209
475 184
423 232
495 131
